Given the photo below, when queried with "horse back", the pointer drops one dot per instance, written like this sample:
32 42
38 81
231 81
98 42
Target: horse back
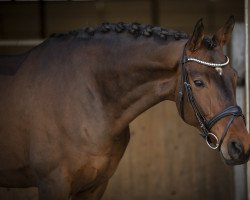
9 64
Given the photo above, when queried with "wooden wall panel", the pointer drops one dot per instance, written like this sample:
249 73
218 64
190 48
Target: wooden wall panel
167 159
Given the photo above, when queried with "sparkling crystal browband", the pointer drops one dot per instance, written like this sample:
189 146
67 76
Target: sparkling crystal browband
208 63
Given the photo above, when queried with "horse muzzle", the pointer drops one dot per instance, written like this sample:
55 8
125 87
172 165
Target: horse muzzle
236 153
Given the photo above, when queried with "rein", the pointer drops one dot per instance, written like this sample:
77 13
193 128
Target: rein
205 125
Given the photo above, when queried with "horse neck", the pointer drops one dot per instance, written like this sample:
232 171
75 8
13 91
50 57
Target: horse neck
135 76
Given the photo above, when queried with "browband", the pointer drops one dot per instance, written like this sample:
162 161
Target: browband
214 65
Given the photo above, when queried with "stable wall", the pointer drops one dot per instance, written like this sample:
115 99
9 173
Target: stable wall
165 159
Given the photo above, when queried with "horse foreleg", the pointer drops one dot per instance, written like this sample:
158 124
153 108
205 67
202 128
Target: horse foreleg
94 193
90 181
55 186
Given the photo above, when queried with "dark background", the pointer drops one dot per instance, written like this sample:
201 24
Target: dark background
166 159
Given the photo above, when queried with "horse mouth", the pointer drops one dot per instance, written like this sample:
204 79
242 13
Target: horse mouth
235 162
239 161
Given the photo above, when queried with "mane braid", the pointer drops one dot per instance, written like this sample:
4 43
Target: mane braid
135 29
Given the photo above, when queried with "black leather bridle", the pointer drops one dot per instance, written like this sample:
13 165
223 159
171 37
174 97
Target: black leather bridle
205 125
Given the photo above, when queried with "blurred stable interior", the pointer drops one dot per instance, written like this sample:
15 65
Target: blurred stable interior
165 159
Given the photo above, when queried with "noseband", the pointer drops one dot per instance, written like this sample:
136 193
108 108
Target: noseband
205 125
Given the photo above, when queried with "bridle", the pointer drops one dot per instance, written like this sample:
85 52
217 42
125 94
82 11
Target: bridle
205 125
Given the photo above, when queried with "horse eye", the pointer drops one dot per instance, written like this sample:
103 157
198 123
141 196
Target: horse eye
199 83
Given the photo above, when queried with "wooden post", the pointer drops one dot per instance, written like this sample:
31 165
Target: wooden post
238 62
100 9
247 47
42 31
155 12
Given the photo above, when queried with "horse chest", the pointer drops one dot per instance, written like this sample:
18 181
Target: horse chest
99 168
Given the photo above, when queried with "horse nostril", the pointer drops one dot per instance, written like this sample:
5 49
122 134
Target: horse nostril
235 149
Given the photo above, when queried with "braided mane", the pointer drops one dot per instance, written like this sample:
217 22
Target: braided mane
135 29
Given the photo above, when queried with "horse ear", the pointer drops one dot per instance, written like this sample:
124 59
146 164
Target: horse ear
194 42
223 35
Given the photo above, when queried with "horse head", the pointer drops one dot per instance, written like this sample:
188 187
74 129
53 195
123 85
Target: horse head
207 94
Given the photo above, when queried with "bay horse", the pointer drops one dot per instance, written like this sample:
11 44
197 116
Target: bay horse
66 104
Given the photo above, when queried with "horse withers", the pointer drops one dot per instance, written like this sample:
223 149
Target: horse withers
67 103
